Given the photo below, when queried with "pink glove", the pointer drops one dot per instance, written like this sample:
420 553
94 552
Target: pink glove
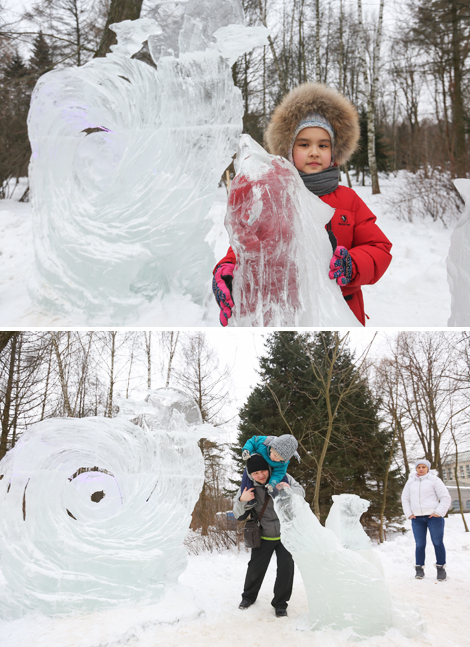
342 266
222 289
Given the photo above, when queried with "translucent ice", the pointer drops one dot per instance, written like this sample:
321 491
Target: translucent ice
343 589
344 520
276 227
93 511
458 269
127 158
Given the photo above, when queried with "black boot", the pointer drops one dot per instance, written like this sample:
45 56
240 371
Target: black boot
419 572
441 573
281 613
244 604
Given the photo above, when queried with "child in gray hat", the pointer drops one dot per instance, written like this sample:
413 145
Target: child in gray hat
277 452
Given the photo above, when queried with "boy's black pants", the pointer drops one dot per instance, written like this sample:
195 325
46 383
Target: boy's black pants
257 567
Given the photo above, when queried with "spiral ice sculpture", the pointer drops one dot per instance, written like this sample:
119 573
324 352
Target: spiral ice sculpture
93 511
343 588
127 158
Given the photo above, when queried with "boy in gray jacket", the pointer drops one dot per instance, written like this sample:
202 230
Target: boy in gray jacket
251 502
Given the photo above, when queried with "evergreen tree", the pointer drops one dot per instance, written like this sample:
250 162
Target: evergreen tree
15 96
359 160
291 399
41 59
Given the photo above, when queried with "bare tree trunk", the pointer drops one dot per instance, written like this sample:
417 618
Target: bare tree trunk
371 90
131 362
118 11
349 383
46 387
384 497
458 111
281 76
8 398
17 392
63 381
5 337
317 42
113 334
172 350
148 350
457 479
341 74
79 400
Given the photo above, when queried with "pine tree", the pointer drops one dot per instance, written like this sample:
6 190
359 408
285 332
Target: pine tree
290 399
41 59
15 96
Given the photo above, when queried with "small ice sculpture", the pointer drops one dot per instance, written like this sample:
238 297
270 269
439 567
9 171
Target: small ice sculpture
127 158
343 589
458 273
344 519
276 227
93 511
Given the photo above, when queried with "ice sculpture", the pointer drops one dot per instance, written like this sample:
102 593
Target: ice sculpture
344 520
93 511
127 158
343 589
458 273
276 227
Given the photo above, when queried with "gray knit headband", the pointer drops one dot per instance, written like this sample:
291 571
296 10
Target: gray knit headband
314 120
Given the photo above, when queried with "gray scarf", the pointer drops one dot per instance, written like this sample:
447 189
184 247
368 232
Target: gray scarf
322 183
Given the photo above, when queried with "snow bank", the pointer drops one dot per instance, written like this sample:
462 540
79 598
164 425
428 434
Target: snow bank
413 292
203 611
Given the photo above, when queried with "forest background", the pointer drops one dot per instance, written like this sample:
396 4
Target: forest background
408 75
361 413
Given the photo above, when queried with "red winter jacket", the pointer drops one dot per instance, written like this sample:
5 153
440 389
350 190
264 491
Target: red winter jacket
353 224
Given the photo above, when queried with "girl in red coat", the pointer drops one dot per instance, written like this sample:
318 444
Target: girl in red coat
317 129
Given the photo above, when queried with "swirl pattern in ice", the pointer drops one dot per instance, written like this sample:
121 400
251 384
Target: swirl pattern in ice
127 158
93 511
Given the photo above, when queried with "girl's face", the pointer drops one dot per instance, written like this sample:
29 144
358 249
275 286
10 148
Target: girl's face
422 469
312 150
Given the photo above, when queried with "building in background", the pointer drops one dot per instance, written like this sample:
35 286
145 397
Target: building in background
463 474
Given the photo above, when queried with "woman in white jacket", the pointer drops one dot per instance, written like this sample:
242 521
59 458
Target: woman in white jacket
425 501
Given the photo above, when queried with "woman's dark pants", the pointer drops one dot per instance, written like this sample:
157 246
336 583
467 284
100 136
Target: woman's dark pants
257 567
420 527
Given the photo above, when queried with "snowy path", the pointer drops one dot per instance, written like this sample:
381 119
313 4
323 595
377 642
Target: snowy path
209 615
413 293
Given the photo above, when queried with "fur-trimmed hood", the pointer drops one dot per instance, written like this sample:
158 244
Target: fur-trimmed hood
302 101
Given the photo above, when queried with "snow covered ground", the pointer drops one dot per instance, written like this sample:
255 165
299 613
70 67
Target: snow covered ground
204 612
413 293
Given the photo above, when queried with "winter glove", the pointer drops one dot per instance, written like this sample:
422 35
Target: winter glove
222 289
342 266
269 488
245 454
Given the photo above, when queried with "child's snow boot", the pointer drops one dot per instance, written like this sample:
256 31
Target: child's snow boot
419 572
441 573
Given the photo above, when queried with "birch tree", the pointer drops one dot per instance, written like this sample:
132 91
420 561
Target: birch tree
371 88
